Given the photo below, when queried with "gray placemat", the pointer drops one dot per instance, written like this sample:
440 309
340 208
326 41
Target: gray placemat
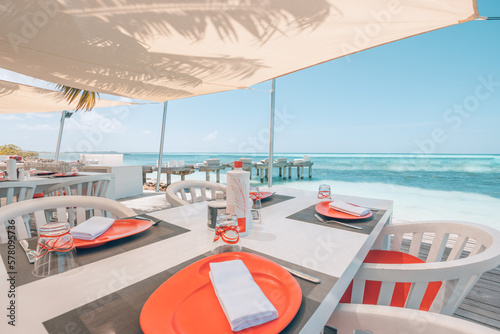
119 312
275 199
307 215
163 230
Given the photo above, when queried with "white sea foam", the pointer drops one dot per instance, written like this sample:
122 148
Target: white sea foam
415 204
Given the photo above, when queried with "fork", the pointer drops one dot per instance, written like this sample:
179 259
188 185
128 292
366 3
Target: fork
337 222
30 253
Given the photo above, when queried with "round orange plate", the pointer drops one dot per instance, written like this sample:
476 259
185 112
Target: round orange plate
120 229
187 304
325 210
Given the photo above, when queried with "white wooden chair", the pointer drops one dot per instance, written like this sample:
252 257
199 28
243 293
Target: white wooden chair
446 262
376 319
73 209
192 191
21 192
97 185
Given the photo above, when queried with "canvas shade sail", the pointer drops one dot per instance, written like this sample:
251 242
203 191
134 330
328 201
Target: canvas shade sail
164 50
18 98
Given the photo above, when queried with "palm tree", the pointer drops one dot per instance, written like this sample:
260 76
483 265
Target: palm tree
87 99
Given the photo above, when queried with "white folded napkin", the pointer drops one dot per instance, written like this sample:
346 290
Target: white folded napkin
180 163
172 163
243 302
92 228
349 208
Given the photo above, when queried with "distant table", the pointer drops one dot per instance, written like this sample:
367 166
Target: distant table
107 294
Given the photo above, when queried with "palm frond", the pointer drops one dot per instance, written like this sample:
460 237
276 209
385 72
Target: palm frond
86 101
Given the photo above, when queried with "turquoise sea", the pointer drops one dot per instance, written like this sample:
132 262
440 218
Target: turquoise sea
478 174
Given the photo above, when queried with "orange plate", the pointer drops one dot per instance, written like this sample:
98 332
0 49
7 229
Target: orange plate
187 304
120 229
265 194
325 210
41 173
65 174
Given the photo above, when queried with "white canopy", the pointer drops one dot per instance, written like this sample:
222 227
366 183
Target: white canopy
162 50
18 98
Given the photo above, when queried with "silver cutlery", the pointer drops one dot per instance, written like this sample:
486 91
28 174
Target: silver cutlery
337 222
302 275
148 219
30 253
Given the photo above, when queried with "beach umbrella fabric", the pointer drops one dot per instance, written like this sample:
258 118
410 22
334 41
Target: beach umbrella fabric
162 50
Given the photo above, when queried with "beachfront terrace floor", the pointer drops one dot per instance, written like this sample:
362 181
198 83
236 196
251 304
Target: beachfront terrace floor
482 304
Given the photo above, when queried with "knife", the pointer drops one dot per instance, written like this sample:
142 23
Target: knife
155 222
30 254
334 221
302 275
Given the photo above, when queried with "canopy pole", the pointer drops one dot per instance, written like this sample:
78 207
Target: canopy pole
65 114
160 154
271 137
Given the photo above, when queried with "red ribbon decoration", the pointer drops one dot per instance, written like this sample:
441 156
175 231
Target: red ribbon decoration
220 232
324 194
255 196
52 244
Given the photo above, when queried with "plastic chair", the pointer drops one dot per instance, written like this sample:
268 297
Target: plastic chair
455 270
21 192
73 209
186 192
375 319
96 186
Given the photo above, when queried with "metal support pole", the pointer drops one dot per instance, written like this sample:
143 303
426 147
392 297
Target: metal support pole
158 172
271 137
65 114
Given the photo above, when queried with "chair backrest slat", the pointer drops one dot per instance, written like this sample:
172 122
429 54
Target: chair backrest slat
10 196
386 292
458 248
40 218
194 197
21 229
397 241
358 290
438 247
80 215
416 242
61 214
203 194
416 294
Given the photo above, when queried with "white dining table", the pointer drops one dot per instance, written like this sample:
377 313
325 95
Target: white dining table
44 182
333 252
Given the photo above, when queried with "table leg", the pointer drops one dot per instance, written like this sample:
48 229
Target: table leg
310 172
207 177
290 172
217 176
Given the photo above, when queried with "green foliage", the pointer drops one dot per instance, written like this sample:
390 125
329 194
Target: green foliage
11 149
86 99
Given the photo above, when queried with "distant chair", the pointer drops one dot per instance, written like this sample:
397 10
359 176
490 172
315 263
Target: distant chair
10 194
437 282
192 191
97 186
374 319
73 209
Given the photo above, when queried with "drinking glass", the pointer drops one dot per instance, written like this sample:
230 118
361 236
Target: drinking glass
255 196
33 171
324 192
227 236
74 169
55 252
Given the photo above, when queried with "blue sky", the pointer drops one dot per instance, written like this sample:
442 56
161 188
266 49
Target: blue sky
434 93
